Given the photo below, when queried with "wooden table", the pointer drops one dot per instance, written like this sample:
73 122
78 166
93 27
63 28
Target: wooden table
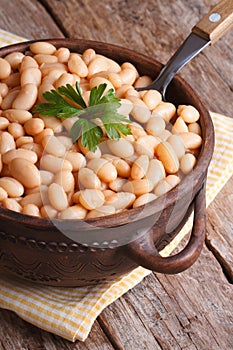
191 310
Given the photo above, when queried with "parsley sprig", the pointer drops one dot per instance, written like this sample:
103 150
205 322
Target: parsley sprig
67 102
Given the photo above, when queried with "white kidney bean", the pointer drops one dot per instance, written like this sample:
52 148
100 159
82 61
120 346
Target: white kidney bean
143 81
101 211
155 171
88 179
77 160
138 187
54 164
25 172
42 47
189 114
16 130
19 153
52 123
46 177
168 157
101 63
28 62
166 110
57 197
26 97
91 198
88 55
12 204
34 126
30 76
152 98
179 126
155 126
121 148
195 128
3 89
31 209
140 167
55 69
187 163
117 184
14 58
140 111
105 170
65 179
53 146
32 198
146 145
45 58
4 122
13 80
128 76
144 199
62 54
77 65
162 187
96 81
5 68
48 212
177 145
7 142
13 187
75 212
173 180
17 115
10 98
22 140
120 200
191 140
64 79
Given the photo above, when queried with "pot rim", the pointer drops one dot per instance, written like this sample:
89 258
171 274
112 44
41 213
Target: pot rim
196 177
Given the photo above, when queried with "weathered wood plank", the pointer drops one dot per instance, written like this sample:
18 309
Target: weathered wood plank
27 18
191 310
156 28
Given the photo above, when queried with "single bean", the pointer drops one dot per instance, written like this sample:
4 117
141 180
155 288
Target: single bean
4 122
8 100
128 65
121 148
30 76
146 145
65 179
16 130
46 177
155 172
102 211
64 79
191 140
162 187
177 145
3 89
187 163
52 123
19 153
195 128
32 198
143 81
155 126
166 110
27 62
26 97
75 212
54 164
42 47
102 63
179 126
13 187
120 200
62 54
144 199
44 87
88 179
105 170
3 194
173 180
53 146
12 81
168 157
128 76
45 58
96 81
140 167
48 212
65 141
14 58
45 132
22 140
138 187
7 142
77 160
125 107
189 114
77 65
34 126
48 68
122 167
53 74
137 130
140 111
25 172
91 198
34 147
31 209
88 56
5 68
117 184
12 204
17 115
57 197
152 98
122 90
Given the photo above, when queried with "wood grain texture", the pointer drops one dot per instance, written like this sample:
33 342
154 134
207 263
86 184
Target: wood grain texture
190 311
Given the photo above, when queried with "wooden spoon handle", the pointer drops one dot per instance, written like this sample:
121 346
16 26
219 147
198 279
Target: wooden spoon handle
216 22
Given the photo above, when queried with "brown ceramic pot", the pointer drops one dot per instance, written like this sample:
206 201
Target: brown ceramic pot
75 252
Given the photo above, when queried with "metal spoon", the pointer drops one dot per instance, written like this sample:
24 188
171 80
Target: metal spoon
207 31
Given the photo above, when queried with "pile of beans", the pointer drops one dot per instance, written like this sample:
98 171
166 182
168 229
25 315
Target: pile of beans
43 174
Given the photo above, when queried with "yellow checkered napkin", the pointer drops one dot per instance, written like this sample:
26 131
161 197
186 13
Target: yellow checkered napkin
71 312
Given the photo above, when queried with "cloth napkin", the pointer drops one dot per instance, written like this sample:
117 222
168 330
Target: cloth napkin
71 312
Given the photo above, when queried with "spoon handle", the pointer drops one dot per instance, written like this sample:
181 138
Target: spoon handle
216 23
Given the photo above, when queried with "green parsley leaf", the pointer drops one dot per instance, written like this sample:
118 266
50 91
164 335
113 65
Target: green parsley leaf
68 102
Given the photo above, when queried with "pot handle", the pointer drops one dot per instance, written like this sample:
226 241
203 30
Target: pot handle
144 253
